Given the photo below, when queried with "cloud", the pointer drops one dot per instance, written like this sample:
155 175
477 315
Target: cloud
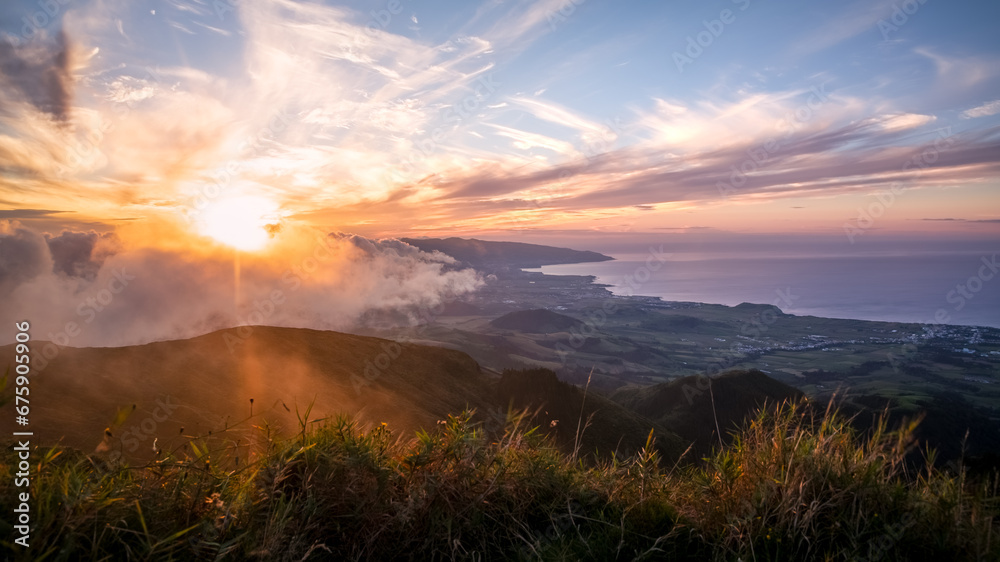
957 73
38 73
520 24
133 293
559 115
984 110
129 90
27 213
526 141
760 147
318 109
856 18
23 256
335 117
903 121
964 220
80 254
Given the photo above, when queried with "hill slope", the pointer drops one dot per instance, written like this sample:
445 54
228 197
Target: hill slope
685 405
199 385
561 407
203 386
536 321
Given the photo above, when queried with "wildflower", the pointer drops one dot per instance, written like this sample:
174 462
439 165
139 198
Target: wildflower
215 500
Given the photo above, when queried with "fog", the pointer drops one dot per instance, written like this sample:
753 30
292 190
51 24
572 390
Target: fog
116 288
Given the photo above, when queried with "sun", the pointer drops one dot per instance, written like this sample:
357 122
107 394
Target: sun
241 222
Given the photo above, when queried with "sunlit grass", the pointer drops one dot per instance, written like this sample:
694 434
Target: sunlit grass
788 488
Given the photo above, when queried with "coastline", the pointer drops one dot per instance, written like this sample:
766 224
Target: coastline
863 289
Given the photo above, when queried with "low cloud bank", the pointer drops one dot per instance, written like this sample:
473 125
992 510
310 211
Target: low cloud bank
93 289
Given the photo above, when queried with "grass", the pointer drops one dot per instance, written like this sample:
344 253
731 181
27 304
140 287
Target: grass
793 485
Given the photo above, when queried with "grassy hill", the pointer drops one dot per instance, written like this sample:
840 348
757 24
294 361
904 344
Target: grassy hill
205 384
790 488
686 404
411 473
562 410
536 321
121 400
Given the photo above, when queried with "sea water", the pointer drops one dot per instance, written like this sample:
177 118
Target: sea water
928 288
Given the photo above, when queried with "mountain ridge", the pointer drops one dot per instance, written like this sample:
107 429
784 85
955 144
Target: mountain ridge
504 254
137 399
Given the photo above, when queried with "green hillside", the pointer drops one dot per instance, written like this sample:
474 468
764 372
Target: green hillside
119 400
431 458
582 420
694 406
536 321
201 386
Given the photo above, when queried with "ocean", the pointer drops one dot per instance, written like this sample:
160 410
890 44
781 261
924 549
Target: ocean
929 288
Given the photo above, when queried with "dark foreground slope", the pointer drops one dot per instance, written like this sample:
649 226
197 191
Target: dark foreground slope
694 408
787 490
136 400
582 421
206 384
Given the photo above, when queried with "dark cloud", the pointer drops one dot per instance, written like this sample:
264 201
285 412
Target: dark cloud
27 213
26 254
80 254
40 74
964 220
23 256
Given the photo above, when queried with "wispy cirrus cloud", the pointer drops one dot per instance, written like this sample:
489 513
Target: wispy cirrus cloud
526 141
985 110
856 18
691 150
355 123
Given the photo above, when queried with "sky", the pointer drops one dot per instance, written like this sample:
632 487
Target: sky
169 133
466 117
